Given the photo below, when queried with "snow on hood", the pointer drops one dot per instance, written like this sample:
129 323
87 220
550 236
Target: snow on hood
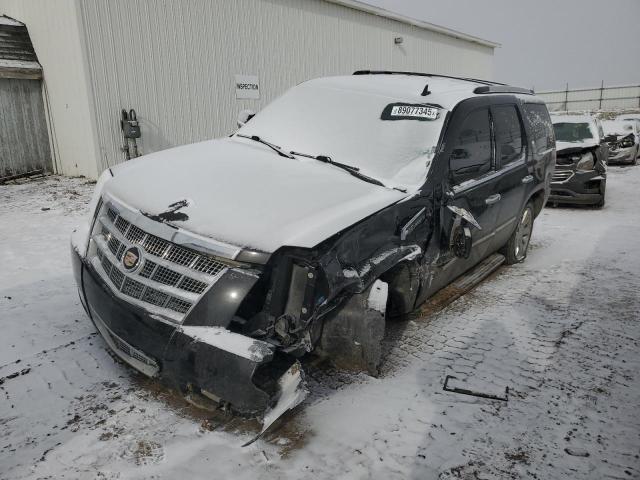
617 127
247 195
586 143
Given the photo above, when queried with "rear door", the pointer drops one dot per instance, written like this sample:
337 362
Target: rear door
511 164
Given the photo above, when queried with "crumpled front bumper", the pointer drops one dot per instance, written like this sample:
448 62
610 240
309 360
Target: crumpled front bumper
622 155
224 364
580 188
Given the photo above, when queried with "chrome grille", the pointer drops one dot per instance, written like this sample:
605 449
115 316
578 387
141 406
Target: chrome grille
156 246
134 289
135 234
122 225
208 266
561 175
148 268
172 277
166 275
178 305
192 285
181 256
116 276
155 297
112 215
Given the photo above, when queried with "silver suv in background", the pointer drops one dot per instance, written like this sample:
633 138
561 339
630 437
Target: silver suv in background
580 176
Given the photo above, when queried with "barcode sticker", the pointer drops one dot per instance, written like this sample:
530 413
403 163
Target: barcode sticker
407 111
414 111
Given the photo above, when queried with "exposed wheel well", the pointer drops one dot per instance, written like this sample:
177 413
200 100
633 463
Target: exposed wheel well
403 281
538 202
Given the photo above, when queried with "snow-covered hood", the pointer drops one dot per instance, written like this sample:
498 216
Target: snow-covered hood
246 195
564 147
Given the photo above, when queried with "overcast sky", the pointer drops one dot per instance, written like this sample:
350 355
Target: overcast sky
545 43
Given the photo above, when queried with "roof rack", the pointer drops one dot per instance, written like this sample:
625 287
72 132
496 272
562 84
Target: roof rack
419 74
502 89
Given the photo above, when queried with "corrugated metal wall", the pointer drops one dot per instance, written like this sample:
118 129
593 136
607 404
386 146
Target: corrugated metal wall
175 61
599 98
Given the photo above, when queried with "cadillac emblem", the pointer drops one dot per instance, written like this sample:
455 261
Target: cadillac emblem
131 258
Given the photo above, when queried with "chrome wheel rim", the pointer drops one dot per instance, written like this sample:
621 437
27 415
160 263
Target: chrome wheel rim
523 234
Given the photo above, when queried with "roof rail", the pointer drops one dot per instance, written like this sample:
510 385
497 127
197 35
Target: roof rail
502 89
419 74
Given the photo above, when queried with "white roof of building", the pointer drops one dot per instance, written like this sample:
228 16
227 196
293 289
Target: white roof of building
357 5
4 20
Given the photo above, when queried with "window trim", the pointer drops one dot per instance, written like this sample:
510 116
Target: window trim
523 137
492 149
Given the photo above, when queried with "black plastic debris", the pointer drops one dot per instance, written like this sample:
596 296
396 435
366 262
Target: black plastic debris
452 384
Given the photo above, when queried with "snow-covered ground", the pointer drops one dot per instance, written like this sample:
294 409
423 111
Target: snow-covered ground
561 331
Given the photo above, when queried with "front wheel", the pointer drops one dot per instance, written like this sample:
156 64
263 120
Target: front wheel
515 250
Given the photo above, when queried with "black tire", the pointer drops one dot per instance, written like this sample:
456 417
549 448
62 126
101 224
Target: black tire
515 250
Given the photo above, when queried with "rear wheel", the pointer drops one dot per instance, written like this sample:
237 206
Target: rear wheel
515 251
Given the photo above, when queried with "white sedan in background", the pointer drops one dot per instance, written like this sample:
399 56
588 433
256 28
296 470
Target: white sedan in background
623 139
633 118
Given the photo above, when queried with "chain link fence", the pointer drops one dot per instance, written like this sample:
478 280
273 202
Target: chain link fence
621 98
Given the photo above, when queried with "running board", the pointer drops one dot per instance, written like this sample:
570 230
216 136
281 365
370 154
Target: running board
461 285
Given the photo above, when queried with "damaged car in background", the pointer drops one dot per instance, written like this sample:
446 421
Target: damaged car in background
622 138
346 201
580 175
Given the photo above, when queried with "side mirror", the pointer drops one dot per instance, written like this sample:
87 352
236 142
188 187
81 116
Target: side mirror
459 154
244 116
460 241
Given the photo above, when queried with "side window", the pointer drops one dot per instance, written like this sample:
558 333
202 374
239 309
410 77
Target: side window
538 117
471 154
508 132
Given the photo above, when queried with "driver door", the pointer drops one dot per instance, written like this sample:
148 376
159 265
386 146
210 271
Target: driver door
471 189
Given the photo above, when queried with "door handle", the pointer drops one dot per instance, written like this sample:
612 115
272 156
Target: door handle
527 179
492 199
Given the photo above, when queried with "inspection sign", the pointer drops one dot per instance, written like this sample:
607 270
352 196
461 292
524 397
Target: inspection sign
247 86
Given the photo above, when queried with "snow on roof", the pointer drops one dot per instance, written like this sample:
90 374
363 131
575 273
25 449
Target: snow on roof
357 5
447 92
4 20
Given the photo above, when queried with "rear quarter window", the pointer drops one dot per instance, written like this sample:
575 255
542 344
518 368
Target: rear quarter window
541 126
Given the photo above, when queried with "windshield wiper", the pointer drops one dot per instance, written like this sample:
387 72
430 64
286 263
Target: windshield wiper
273 147
355 171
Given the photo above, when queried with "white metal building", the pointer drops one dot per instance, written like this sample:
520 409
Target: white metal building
178 63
